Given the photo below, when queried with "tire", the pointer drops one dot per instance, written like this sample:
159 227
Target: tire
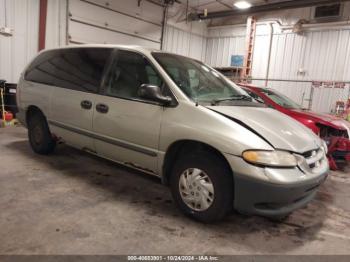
216 172
39 135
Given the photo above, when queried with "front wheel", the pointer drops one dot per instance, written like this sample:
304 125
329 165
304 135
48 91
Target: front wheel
202 186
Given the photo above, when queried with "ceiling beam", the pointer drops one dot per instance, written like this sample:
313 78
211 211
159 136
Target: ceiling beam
263 8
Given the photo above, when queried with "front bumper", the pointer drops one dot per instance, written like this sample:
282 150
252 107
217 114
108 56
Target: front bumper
273 192
256 197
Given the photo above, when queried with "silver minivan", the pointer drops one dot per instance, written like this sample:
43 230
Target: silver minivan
173 117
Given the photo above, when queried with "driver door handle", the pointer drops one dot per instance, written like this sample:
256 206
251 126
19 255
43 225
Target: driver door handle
102 108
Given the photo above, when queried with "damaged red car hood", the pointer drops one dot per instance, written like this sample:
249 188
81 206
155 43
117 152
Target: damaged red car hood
324 119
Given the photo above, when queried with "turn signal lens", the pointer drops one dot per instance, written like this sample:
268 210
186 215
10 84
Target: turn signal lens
270 158
251 156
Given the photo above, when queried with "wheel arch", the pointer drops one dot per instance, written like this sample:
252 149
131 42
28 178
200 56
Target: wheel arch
31 111
179 147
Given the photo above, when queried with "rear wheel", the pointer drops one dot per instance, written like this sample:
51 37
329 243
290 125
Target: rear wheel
39 135
202 186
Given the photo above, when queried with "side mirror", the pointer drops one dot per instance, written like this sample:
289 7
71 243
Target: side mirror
153 93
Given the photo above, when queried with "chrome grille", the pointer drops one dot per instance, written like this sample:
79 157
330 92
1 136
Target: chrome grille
314 158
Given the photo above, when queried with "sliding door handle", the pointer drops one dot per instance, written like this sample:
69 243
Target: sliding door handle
102 108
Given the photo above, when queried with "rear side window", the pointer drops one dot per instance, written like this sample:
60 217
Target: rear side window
79 69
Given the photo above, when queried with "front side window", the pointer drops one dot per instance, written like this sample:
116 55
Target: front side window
78 69
280 99
200 82
128 72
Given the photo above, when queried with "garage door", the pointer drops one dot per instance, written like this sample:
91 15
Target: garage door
135 22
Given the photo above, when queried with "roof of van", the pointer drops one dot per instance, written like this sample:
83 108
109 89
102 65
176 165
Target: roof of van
132 47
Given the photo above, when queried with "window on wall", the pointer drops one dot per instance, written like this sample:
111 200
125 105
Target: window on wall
79 69
328 11
129 71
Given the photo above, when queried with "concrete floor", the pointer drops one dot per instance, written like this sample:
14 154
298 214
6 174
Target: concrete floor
74 203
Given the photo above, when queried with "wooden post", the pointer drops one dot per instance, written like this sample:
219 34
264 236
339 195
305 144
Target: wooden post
42 24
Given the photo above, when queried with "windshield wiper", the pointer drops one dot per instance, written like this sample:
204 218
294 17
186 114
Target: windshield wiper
231 98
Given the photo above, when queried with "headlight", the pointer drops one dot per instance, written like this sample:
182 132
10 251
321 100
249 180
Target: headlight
270 158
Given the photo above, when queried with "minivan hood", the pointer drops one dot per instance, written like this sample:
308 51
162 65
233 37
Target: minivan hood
281 131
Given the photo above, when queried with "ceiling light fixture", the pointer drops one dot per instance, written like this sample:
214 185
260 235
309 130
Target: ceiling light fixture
243 5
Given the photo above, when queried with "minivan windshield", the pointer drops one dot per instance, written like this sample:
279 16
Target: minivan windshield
200 82
280 99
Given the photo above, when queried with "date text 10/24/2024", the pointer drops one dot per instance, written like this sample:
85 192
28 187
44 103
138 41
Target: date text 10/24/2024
172 258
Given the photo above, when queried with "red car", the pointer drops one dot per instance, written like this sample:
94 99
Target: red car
335 131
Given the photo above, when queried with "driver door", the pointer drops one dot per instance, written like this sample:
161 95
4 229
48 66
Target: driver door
127 126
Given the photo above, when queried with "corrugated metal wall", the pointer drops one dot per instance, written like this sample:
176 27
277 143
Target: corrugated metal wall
15 51
219 50
324 55
320 55
222 43
56 23
184 43
295 59
324 99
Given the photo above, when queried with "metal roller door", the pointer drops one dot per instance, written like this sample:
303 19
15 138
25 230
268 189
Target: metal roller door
132 22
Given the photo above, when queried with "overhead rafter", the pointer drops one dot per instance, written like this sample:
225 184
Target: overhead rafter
264 8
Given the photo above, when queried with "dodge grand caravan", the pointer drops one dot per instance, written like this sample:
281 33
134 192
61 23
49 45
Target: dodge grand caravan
176 118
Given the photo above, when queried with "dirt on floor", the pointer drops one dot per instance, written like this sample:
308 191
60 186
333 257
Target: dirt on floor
74 203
